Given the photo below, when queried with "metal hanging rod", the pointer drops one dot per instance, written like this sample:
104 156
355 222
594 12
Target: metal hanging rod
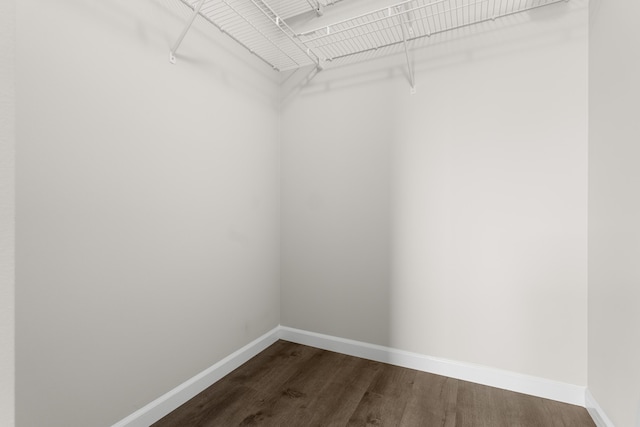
286 30
262 34
259 26
381 27
407 21
316 5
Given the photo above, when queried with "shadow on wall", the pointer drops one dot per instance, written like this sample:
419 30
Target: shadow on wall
220 60
453 222
505 36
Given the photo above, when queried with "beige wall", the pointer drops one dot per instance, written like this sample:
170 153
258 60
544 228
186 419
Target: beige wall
614 209
147 200
452 222
7 211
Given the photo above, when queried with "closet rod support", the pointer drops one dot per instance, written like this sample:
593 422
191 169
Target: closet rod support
316 6
196 11
412 80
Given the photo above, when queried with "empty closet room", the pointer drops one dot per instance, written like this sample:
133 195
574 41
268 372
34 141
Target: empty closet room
464 203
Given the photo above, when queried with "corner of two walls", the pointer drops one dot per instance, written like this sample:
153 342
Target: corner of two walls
450 223
147 200
614 210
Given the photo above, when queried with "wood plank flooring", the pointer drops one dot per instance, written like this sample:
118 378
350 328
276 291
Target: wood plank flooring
294 385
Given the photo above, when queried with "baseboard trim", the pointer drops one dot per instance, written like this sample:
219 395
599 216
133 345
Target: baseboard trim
595 410
166 403
541 387
507 380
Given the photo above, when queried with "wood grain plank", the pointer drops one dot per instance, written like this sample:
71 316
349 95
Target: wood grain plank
339 399
294 385
565 415
432 402
297 393
384 402
232 399
523 410
479 406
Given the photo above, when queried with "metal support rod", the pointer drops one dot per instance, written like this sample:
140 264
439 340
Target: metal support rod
425 19
315 5
362 22
287 31
175 47
277 46
406 53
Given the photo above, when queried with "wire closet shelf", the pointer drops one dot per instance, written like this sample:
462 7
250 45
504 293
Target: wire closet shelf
260 26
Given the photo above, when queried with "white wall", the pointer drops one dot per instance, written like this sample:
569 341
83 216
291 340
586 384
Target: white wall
453 222
7 211
614 209
450 223
147 200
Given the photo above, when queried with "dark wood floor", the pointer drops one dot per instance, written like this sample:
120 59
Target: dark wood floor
294 385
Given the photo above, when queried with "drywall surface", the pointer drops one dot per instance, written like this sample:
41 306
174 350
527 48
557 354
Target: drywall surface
7 211
450 223
614 209
147 205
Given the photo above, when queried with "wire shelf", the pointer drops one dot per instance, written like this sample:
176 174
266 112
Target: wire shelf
257 27
261 28
289 8
407 21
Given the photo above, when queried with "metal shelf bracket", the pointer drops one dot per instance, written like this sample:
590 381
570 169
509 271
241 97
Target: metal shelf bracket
403 26
176 45
317 6
264 30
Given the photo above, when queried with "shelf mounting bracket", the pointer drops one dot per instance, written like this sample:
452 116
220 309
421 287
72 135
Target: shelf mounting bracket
176 45
412 79
316 6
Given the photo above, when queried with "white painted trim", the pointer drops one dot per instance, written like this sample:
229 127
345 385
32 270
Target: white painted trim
507 380
535 386
595 410
166 403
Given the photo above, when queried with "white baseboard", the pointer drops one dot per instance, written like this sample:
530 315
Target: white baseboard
597 414
166 403
507 380
520 383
